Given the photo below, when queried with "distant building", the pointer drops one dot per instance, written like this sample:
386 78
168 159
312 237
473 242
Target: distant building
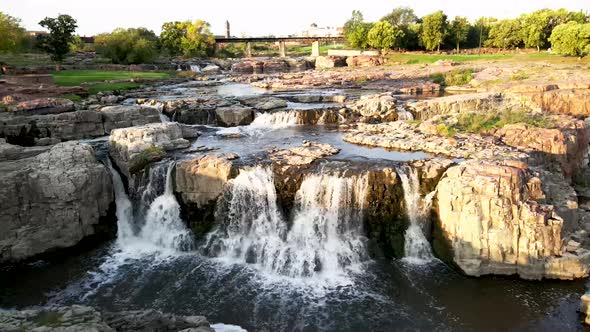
227 31
315 31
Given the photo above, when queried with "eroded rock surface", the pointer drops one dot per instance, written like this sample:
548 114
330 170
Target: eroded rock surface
133 148
77 318
490 221
52 201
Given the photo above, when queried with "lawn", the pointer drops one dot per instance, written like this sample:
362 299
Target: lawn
410 58
77 77
305 50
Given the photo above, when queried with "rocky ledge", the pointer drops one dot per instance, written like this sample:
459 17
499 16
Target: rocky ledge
53 200
83 318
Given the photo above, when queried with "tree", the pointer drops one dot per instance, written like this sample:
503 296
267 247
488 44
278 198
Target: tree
571 38
356 31
57 42
383 35
459 31
535 28
128 46
198 40
171 36
505 34
434 30
401 16
12 35
77 44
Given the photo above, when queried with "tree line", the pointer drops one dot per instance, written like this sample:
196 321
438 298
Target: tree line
566 32
121 46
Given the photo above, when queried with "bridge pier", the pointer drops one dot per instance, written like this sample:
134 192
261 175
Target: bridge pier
248 50
282 49
315 48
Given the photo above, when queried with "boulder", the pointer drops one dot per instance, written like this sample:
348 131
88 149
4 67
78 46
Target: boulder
585 307
133 148
83 318
128 116
574 102
52 201
364 61
323 62
211 69
490 222
380 106
307 153
234 115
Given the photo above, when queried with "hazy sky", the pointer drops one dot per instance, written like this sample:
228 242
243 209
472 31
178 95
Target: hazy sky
255 17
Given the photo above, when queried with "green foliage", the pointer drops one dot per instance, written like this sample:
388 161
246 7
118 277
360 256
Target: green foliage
434 30
519 76
76 45
145 157
12 35
478 123
401 16
505 34
383 35
459 30
234 51
77 77
356 31
454 77
535 27
571 39
61 33
191 39
72 97
128 46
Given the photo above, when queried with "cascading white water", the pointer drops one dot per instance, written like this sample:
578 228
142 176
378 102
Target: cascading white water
162 228
124 207
195 68
325 239
264 122
417 249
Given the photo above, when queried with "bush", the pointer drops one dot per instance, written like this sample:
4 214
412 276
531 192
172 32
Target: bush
571 39
454 77
128 46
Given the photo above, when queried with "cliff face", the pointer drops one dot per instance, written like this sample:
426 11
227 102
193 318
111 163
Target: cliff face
52 201
491 221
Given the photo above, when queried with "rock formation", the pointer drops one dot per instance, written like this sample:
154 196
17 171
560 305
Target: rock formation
133 148
83 318
53 200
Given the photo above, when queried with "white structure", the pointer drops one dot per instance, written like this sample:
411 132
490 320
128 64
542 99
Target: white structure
315 31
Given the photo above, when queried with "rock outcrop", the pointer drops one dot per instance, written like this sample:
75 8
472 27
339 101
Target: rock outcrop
52 201
264 103
115 117
490 221
42 106
381 107
133 148
234 116
476 102
324 62
83 318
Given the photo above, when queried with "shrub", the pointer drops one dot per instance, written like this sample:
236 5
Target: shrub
454 77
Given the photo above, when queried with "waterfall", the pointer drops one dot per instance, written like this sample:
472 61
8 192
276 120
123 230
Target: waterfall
162 227
264 122
124 207
324 240
417 249
195 68
404 115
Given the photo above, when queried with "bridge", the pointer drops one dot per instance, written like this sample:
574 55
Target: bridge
315 42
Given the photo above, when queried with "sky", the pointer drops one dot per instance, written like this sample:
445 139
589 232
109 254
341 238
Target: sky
255 17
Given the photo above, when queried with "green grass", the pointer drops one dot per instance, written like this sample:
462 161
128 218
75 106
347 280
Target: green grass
95 88
478 123
77 77
453 77
306 49
411 58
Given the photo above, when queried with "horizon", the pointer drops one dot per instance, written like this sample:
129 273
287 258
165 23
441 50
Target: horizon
268 20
